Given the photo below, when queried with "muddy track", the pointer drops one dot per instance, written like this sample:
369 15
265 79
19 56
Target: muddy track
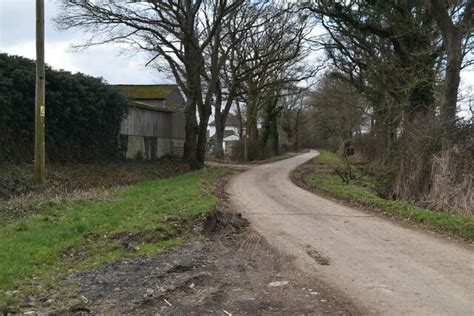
382 266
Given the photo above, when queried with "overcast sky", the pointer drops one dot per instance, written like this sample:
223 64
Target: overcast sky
17 35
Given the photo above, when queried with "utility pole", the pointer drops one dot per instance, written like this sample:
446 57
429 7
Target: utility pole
40 92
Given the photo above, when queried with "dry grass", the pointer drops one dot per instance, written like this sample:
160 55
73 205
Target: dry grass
67 183
363 193
452 183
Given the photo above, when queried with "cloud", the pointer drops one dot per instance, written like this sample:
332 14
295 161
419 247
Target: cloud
17 37
102 61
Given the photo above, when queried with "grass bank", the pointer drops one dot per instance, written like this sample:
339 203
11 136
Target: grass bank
16 180
37 252
278 158
363 192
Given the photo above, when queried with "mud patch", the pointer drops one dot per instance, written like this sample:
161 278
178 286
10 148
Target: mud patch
131 241
224 222
317 256
226 272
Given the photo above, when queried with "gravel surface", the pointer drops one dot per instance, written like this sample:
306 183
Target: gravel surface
382 266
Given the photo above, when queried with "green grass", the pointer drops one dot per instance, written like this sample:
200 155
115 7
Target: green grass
276 158
328 158
32 250
459 225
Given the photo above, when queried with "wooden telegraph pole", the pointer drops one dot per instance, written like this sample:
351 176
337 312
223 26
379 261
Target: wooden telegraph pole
40 92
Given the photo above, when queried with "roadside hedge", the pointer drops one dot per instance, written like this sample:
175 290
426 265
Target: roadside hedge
83 114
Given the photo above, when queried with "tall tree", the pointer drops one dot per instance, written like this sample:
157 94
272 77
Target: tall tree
263 35
293 115
269 57
175 31
339 110
390 51
457 28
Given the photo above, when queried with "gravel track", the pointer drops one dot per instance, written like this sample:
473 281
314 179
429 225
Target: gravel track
384 267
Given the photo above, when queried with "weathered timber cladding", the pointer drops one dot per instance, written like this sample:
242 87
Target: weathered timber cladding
155 124
143 122
178 125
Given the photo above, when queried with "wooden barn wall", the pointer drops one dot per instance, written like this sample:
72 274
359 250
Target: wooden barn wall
178 125
142 122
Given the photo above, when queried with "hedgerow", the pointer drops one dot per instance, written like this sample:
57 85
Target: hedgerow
83 114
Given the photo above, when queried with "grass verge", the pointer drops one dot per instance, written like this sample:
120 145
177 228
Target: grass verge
277 158
365 195
38 252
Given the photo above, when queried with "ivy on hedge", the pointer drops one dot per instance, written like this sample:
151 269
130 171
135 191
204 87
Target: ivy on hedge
83 114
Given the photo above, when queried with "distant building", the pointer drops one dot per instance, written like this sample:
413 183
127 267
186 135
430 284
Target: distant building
231 132
155 124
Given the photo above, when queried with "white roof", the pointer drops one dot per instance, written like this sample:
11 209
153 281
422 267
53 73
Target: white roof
231 138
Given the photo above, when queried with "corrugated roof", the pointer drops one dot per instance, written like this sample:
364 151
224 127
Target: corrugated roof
147 91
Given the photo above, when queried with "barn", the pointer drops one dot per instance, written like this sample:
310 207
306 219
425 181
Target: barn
155 124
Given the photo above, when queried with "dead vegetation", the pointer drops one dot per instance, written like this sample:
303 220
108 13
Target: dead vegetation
17 180
452 181
69 183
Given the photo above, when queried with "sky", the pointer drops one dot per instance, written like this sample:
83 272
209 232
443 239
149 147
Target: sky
17 37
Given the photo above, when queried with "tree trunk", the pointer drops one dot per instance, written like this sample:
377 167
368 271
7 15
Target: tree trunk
241 123
451 85
220 125
452 37
251 112
297 133
205 111
194 97
251 138
219 137
202 141
191 131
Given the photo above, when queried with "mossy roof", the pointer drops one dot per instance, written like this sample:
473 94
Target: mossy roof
151 107
144 92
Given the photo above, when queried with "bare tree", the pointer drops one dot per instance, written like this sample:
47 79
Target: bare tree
221 55
176 31
269 57
256 46
294 107
339 110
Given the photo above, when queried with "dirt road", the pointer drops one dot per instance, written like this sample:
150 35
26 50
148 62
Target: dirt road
383 267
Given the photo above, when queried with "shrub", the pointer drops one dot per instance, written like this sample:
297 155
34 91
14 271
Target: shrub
83 114
452 174
420 141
